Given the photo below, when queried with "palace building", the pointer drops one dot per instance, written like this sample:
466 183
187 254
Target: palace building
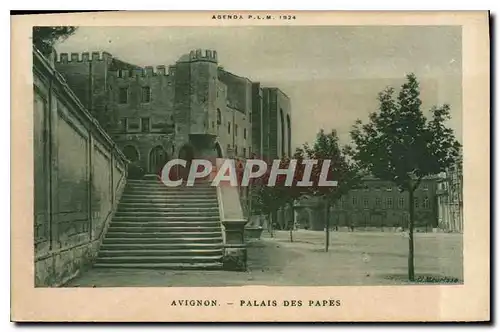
193 108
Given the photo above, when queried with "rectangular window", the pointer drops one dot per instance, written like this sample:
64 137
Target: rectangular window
388 202
146 94
415 200
354 201
235 130
365 202
425 186
145 125
229 127
235 150
245 133
244 152
123 96
228 148
401 202
133 124
378 202
124 125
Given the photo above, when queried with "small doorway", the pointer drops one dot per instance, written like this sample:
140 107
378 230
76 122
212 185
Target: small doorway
157 159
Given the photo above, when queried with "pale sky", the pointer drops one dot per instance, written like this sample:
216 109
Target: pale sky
332 74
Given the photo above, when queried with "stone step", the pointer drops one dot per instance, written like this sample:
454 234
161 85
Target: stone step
162 229
158 182
193 218
167 205
188 236
162 246
171 213
163 192
184 196
160 259
147 252
176 208
165 224
162 266
138 188
192 201
189 239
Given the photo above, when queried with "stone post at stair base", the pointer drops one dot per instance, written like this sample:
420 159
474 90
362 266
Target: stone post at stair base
235 249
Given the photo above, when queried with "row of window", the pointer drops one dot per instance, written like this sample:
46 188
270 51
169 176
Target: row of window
219 122
123 95
141 125
389 204
244 152
423 186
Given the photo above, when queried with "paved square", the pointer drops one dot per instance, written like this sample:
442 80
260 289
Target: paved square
358 258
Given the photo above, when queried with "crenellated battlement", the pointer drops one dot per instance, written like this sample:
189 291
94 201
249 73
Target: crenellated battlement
203 55
82 57
147 71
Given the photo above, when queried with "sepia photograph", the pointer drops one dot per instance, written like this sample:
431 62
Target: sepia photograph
235 155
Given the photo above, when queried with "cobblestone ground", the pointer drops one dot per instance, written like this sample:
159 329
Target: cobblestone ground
373 258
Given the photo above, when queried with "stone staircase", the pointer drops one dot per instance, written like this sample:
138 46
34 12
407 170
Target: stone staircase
164 227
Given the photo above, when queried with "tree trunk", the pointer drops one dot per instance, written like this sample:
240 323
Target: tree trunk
411 266
327 228
270 224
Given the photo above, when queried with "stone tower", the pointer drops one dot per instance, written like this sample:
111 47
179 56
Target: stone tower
195 104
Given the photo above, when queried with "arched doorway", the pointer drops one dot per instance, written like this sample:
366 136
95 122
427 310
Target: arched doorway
157 159
131 153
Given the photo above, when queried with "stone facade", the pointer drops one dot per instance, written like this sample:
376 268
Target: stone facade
193 108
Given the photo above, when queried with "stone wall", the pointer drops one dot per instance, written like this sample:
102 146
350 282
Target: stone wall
79 176
277 123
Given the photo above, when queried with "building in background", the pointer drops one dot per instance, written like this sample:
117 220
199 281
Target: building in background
375 204
191 109
450 199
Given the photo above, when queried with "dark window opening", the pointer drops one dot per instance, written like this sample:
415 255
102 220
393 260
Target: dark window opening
145 125
124 125
219 117
123 96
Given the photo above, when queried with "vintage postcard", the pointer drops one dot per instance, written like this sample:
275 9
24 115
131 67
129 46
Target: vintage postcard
251 166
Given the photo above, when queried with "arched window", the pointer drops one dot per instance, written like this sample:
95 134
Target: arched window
131 153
